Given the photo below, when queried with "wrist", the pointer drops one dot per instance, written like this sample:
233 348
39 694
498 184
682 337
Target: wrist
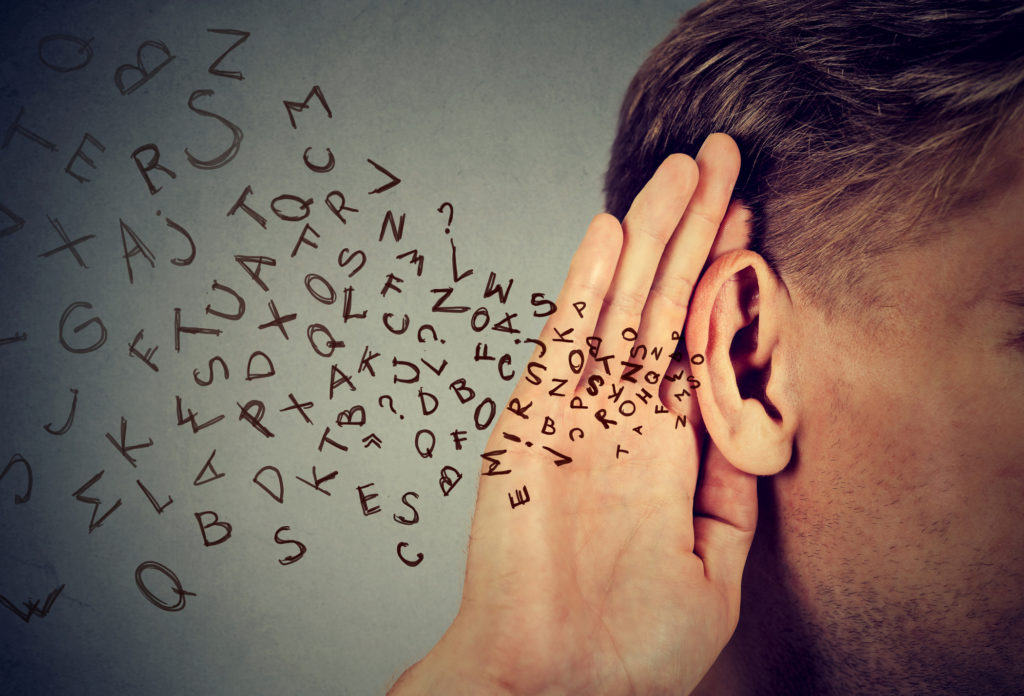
448 669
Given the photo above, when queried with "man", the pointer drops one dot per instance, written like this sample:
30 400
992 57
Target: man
857 331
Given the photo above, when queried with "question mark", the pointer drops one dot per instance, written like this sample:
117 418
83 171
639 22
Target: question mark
451 214
391 405
419 334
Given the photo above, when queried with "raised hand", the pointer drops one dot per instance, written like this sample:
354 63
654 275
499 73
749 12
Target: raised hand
591 568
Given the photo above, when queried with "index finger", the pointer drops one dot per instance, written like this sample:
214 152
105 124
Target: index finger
687 251
647 228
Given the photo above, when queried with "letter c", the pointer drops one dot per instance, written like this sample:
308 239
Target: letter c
411 564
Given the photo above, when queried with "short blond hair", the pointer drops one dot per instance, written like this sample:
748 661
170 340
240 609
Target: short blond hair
860 123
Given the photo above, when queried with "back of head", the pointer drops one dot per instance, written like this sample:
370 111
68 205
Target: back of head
861 123
888 557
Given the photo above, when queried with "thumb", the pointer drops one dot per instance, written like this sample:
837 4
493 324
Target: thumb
724 519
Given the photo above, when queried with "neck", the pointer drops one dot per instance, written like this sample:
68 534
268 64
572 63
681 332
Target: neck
727 676
770 651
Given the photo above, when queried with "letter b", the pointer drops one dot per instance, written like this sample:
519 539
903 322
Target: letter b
460 389
214 523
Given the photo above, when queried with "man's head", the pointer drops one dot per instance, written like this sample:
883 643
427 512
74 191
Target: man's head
869 344
858 121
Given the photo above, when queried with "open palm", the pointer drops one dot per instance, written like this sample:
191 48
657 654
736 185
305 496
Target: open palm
596 564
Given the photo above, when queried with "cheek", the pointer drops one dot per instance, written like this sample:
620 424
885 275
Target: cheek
905 476
889 453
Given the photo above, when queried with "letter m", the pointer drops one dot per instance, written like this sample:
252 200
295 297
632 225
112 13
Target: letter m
292 107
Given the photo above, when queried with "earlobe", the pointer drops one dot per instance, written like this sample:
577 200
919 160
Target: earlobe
738 318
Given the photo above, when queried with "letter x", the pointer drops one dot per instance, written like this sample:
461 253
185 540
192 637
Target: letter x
278 320
68 244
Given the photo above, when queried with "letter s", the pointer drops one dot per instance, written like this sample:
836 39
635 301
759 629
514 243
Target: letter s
236 135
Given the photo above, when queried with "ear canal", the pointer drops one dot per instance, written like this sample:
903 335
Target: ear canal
753 384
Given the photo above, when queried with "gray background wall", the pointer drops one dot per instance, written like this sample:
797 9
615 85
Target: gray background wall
505 111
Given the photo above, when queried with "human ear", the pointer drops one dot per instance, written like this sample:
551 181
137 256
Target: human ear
738 319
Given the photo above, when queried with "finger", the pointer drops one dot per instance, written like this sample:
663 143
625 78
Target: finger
734 232
647 228
577 306
725 516
676 391
687 252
